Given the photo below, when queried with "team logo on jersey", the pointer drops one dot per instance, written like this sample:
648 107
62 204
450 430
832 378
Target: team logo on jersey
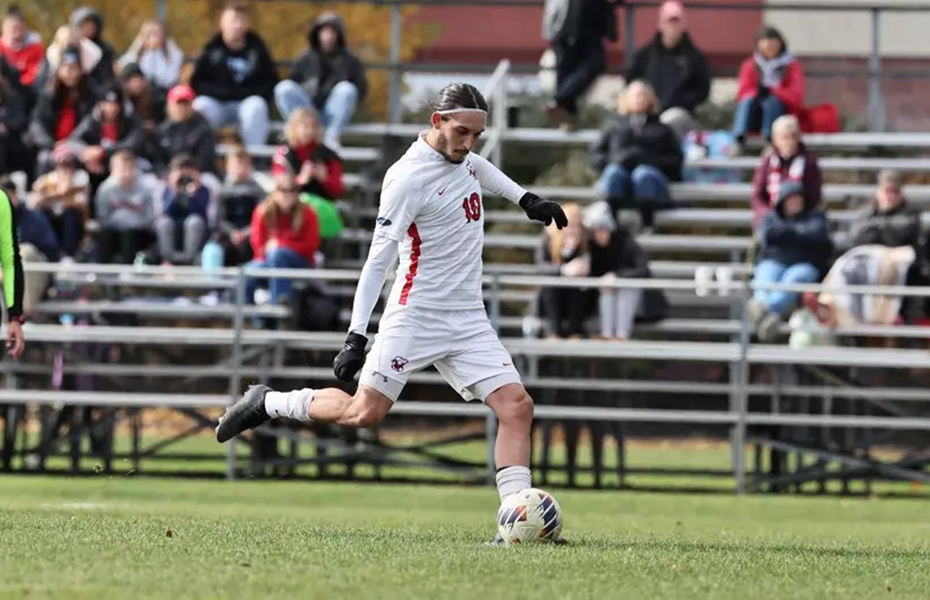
398 363
383 221
471 170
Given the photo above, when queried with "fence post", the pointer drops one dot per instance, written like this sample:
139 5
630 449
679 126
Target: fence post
876 100
394 107
629 35
161 10
235 376
500 118
496 302
742 395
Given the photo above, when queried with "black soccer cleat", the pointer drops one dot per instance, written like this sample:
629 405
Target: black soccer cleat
247 413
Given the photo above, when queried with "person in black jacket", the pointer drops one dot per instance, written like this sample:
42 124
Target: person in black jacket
89 22
13 154
576 30
186 132
327 77
108 129
675 68
891 222
637 155
795 248
234 78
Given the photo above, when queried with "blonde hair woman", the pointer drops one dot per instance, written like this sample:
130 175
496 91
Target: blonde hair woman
158 57
566 308
317 168
637 155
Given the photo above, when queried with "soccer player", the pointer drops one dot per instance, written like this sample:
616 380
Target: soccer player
432 216
11 267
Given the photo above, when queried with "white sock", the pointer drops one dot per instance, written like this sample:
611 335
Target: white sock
293 405
511 480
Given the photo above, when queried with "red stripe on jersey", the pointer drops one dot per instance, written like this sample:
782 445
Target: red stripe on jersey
414 233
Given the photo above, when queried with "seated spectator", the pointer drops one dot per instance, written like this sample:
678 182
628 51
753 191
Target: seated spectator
23 49
236 202
234 78
89 23
637 155
182 226
62 194
327 77
13 122
68 38
37 244
795 249
614 253
787 160
157 56
186 132
125 212
887 250
62 105
105 131
146 106
771 84
285 235
566 308
675 68
317 168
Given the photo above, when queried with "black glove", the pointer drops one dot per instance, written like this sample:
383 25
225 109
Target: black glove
545 211
763 92
351 358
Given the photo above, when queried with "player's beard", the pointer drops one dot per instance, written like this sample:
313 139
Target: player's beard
444 148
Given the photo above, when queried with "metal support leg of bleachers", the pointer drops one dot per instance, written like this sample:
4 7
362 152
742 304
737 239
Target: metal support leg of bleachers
235 377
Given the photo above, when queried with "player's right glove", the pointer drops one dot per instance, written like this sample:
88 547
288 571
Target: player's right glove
545 211
351 358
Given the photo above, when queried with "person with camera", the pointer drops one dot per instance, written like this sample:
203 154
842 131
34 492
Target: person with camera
181 229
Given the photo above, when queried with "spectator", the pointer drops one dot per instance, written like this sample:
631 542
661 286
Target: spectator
146 105
327 77
235 77
576 30
37 244
62 195
126 212
787 160
108 129
771 84
68 38
21 48
237 199
89 23
566 308
159 59
887 250
675 68
285 235
796 248
317 168
13 153
66 101
183 222
637 155
187 131
615 254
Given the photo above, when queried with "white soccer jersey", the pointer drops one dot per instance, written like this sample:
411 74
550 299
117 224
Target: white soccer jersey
434 209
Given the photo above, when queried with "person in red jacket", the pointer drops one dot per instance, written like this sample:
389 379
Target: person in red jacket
771 84
20 47
285 235
787 160
318 168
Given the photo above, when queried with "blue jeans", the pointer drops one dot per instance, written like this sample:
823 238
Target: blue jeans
336 113
279 258
249 116
755 114
772 271
645 185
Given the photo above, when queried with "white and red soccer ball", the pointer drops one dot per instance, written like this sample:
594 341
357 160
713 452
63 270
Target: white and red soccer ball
529 516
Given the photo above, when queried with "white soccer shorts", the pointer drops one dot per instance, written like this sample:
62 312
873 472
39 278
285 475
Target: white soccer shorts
461 344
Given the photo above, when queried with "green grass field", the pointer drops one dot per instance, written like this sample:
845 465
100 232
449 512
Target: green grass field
107 537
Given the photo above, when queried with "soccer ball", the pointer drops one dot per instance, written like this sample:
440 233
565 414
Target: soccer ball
529 516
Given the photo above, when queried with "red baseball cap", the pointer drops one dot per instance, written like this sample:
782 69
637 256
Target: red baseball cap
181 93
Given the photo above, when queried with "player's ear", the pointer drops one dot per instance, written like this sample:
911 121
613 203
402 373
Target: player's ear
436 119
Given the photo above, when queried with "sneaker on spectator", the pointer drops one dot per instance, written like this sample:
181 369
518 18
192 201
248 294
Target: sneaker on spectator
262 297
769 327
703 280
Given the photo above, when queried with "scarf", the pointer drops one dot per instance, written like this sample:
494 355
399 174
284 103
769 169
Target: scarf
771 71
795 173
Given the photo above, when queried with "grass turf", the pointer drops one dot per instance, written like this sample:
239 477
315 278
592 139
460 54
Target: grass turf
107 537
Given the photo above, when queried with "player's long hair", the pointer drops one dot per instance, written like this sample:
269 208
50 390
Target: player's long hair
272 211
459 95
557 236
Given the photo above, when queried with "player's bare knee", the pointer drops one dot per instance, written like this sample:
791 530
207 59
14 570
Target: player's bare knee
367 408
515 406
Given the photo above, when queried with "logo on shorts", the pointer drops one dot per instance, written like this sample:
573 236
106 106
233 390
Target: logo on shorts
398 363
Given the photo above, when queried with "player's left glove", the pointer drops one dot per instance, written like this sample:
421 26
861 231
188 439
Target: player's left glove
545 211
351 358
